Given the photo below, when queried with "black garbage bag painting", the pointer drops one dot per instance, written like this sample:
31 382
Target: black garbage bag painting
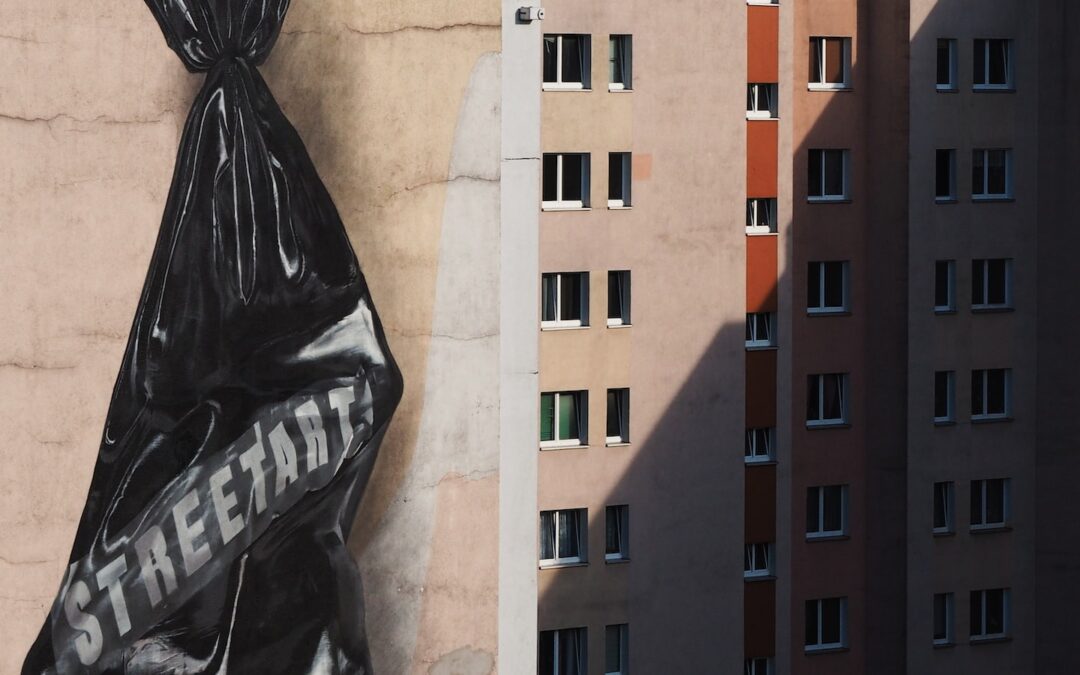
255 390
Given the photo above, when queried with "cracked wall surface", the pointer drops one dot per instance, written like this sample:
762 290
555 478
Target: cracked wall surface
398 104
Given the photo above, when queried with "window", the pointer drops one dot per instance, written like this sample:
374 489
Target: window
991 174
945 176
827 287
826 624
562 652
991 394
758 560
989 614
991 284
618 298
759 665
945 286
944 507
617 649
760 330
944 619
989 503
567 61
566 181
946 64
620 62
944 397
562 418
565 300
830 62
826 511
760 215
828 176
759 444
618 180
617 541
562 537
993 65
761 101
826 403
618 415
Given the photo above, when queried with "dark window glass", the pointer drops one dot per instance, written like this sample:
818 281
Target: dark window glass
616 413
546 660
614 295
551 178
815 60
550 59
941 394
980 62
549 296
834 284
815 185
942 284
813 398
995 286
570 307
617 166
978 404
811 622
976 604
944 62
834 172
613 650
568 416
941 616
995 611
832 397
830 620
999 61
547 417
834 60
978 282
834 509
995 392
996 170
995 501
569 538
943 175
978 185
573 55
941 505
572 173
813 505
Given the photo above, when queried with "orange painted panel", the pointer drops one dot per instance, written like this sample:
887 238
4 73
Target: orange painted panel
762 44
761 154
759 618
761 272
761 388
760 498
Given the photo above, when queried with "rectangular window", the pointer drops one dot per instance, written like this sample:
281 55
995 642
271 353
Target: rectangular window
618 180
566 181
617 650
759 665
620 62
618 298
827 287
991 394
758 560
567 61
944 396
760 215
945 176
826 624
944 619
759 445
760 330
993 65
565 299
989 614
617 541
562 652
563 537
991 174
989 503
830 63
946 64
826 400
618 416
761 101
827 177
944 507
991 283
562 419
826 511
945 286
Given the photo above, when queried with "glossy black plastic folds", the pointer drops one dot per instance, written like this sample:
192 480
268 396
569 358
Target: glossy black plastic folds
255 390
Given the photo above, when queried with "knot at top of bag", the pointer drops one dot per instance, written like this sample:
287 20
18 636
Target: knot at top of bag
207 32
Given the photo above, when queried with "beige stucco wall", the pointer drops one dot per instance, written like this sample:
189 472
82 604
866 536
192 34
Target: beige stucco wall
393 99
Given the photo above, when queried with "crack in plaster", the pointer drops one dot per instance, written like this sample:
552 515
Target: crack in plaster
34 365
474 475
100 119
442 181
447 336
401 29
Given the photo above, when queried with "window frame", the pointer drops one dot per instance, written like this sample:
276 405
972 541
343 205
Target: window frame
618 514
586 73
950 397
583 301
820 53
983 496
625 284
755 552
947 489
581 405
984 416
820 646
845 168
984 265
622 404
754 341
986 196
953 48
625 188
560 204
582 557
623 630
845 288
948 620
821 421
627 68
821 533
750 665
1006 616
754 92
757 437
754 207
583 639
950 281
951 197
1010 66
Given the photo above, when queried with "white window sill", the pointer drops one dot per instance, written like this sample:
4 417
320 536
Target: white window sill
984 199
830 199
988 639
760 232
827 424
759 461
756 3
989 309
945 200
824 649
558 445
944 533
618 323
987 419
619 89
828 311
946 88
617 444
944 421
829 87
826 536
619 206
569 86
944 310
547 327
759 576
761 117
993 88
564 208
990 528
615 440
553 565
753 347
943 644
615 558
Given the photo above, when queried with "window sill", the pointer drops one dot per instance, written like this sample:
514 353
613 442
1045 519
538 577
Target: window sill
750 578
565 208
753 3
762 348
976 640
619 325
545 448
944 423
946 89
544 328
616 561
944 533
556 566
992 199
991 420
946 200
768 461
990 529
762 232
619 90
620 207
944 310
828 425
752 117
991 309
810 311
828 200
811 651
617 444
827 537
944 645
550 86
993 89
829 87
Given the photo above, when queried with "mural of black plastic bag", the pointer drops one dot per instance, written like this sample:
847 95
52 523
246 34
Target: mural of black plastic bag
255 390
